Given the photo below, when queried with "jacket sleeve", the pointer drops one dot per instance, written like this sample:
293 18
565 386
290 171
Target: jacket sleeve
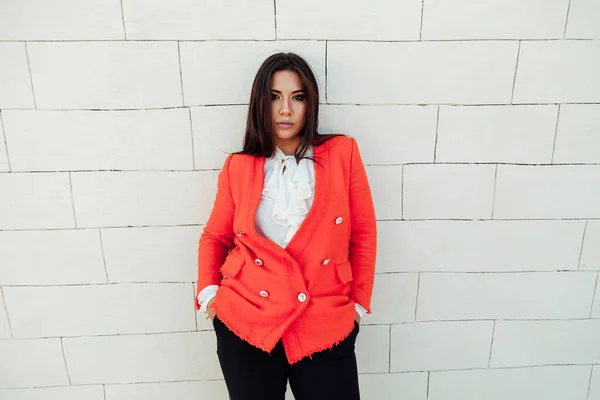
363 232
217 236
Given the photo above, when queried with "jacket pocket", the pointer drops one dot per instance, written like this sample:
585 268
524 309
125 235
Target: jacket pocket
344 272
232 265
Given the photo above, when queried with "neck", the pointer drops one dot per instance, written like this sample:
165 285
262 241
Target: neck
288 146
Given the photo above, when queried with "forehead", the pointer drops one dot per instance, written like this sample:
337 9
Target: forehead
286 80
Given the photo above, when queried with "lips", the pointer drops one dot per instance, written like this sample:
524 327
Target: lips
284 124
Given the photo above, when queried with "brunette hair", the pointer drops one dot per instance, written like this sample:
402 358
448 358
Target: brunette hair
258 139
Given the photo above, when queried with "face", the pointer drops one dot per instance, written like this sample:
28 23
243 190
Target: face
288 107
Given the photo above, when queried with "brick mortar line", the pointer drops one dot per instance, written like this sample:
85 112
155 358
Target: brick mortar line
326 103
275 16
390 325
217 169
437 125
123 21
389 348
6 312
567 20
62 346
555 135
402 192
582 245
530 272
30 76
103 255
590 382
494 192
193 145
107 335
180 74
72 199
514 84
242 40
492 345
378 220
421 23
326 63
5 141
361 373
594 295
417 296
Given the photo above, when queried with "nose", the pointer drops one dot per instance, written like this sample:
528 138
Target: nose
285 107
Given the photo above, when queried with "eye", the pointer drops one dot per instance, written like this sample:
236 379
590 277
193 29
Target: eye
299 97
274 96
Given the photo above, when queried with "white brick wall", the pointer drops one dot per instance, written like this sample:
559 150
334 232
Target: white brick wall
416 72
532 19
85 310
198 20
590 253
109 75
478 121
542 383
213 390
540 295
448 191
110 199
386 134
88 392
142 358
558 71
526 343
53 257
584 20
15 85
504 134
99 140
441 345
61 20
578 127
594 393
340 20
485 246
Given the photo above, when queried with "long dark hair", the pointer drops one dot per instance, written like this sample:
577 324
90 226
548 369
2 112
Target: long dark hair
258 139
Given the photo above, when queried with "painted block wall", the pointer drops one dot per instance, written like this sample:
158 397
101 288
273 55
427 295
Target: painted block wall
479 123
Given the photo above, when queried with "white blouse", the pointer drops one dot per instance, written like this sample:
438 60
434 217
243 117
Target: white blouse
288 194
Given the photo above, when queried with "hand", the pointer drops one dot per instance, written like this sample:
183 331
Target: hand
209 310
357 317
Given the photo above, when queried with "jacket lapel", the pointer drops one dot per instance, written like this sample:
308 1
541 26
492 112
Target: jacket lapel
315 213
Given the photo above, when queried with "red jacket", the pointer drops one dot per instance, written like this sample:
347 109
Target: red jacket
303 294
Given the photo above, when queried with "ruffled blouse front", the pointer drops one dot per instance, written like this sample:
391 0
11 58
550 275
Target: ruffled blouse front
287 195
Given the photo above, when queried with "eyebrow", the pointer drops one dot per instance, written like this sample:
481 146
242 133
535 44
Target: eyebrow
295 91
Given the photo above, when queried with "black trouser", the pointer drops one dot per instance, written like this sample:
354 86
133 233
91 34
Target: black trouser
253 374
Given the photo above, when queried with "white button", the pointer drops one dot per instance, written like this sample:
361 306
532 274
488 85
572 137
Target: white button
338 220
326 261
263 293
258 262
240 233
301 297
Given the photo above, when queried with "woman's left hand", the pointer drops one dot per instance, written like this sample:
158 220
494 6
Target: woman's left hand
357 317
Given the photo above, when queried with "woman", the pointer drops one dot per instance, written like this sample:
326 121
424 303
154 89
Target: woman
290 245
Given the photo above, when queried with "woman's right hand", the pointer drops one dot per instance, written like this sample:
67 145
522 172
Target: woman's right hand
209 310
